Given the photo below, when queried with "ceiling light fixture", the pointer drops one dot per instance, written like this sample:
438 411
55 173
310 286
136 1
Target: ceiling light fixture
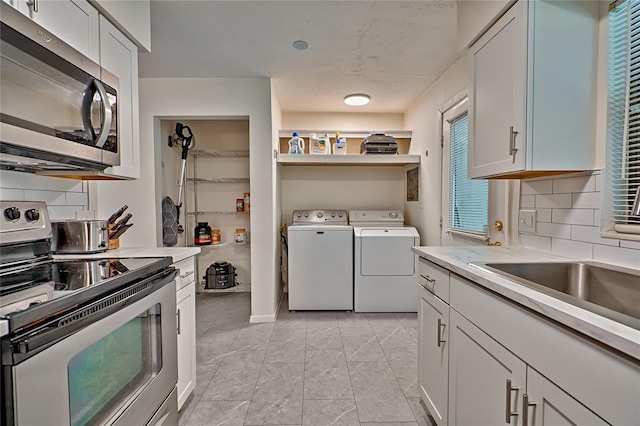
357 99
300 44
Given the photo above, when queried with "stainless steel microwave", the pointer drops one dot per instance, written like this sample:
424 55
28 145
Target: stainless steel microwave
58 109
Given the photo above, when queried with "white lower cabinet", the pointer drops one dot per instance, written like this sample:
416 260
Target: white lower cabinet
498 363
186 329
547 404
433 347
486 381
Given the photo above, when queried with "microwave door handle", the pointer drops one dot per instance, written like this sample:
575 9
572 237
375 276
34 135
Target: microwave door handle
94 87
106 115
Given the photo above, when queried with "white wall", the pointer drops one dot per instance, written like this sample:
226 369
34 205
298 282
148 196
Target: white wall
424 120
63 196
276 125
333 121
163 99
568 220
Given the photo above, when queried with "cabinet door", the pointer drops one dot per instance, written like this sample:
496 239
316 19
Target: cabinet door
553 406
433 355
75 22
481 372
119 55
496 96
186 317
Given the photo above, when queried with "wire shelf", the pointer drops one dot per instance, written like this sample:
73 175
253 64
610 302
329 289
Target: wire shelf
218 180
210 153
217 213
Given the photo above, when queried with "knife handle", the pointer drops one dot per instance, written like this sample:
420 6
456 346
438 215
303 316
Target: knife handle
117 214
122 222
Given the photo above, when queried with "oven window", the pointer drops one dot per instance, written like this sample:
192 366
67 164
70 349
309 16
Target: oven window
113 370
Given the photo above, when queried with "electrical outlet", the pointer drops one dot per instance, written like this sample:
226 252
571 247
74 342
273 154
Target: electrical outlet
527 221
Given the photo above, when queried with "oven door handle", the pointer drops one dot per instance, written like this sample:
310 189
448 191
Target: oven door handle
28 344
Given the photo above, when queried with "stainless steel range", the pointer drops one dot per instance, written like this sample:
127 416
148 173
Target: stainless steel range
83 341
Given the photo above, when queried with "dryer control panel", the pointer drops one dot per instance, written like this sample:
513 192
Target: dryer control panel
376 218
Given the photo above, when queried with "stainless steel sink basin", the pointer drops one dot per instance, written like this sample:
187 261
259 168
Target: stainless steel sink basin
603 289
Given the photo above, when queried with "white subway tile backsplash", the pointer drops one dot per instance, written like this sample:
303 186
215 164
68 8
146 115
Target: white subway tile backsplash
536 187
68 185
527 201
553 201
555 230
535 242
586 200
10 194
573 216
591 234
630 244
574 249
19 180
617 255
52 198
574 212
574 184
77 198
62 212
543 215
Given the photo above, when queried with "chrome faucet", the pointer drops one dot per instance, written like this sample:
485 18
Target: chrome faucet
635 210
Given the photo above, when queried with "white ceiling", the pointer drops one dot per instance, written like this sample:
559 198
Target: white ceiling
391 50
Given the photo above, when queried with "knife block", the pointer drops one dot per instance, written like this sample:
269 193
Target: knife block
113 243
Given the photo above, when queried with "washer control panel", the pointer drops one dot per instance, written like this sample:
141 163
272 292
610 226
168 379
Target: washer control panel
316 217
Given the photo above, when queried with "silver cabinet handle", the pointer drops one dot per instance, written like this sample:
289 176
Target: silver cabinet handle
187 274
441 326
429 279
512 142
525 408
33 4
508 412
178 320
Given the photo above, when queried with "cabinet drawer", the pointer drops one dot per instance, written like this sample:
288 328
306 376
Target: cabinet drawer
187 273
434 278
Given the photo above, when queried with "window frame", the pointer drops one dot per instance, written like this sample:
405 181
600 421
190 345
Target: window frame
448 116
618 189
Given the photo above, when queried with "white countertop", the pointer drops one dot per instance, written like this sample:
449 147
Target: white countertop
618 336
176 253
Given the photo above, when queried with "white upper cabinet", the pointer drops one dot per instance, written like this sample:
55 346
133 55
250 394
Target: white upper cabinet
532 96
74 21
119 55
132 17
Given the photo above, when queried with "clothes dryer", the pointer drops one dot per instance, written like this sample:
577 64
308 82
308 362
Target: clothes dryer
385 268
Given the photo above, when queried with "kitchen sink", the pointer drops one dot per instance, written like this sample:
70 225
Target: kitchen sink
603 289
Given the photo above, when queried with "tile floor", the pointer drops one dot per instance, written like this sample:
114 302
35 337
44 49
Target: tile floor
307 368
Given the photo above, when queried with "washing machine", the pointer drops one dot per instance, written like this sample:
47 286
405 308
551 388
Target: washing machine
385 268
320 255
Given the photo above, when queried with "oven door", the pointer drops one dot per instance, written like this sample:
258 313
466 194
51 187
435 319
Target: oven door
117 370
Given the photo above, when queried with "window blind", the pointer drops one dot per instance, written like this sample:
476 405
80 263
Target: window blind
468 203
622 174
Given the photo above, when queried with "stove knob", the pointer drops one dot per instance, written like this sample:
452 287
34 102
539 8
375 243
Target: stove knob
306 215
339 214
299 215
32 215
12 213
333 215
319 215
393 215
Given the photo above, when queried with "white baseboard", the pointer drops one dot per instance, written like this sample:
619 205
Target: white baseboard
269 317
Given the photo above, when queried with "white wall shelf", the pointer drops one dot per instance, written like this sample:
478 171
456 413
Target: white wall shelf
398 134
347 160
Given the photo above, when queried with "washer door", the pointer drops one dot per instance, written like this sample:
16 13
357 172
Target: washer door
387 252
